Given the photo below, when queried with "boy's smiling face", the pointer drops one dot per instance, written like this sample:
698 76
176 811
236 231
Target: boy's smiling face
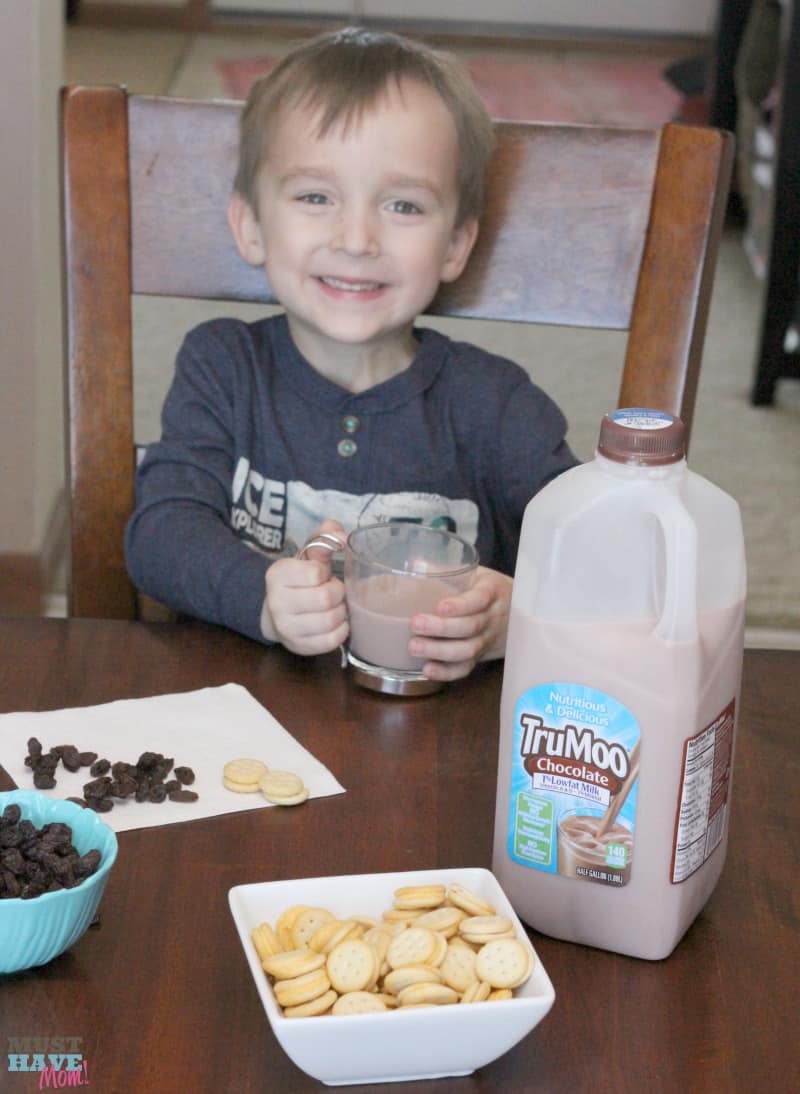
357 228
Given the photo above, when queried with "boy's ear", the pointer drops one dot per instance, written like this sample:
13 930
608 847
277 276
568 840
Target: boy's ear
460 248
246 230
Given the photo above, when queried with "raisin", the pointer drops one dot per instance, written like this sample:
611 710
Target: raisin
11 815
10 837
91 860
34 746
43 780
58 830
99 767
71 758
11 884
157 793
12 859
97 788
100 805
35 871
61 869
183 796
32 889
147 761
185 775
163 767
123 787
87 758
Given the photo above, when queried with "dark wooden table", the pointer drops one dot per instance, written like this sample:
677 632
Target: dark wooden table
161 997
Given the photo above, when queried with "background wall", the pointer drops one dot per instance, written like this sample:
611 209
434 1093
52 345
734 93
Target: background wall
656 16
146 3
31 447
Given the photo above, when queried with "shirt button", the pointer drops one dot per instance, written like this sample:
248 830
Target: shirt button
347 448
350 423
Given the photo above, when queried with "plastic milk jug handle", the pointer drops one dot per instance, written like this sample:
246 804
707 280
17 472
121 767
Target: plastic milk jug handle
678 622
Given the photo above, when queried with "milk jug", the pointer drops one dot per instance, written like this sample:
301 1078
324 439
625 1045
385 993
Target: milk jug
620 694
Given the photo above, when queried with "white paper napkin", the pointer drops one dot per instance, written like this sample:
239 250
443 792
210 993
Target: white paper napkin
199 729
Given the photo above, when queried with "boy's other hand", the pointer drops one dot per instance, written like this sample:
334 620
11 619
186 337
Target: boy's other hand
304 606
467 628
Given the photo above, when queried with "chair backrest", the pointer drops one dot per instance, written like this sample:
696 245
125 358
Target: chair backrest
584 226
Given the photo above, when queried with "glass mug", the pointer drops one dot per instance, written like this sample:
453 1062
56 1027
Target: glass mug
392 571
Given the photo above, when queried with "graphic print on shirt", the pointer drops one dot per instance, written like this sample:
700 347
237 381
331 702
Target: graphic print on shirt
279 517
258 514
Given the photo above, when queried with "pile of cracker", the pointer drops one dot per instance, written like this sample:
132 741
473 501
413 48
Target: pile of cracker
248 776
436 945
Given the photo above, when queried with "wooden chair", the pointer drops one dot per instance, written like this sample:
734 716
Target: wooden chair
584 226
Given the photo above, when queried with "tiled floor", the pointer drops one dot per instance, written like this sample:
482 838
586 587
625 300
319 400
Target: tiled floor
182 63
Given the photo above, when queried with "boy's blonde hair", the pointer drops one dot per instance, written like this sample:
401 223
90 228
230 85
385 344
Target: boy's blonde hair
344 73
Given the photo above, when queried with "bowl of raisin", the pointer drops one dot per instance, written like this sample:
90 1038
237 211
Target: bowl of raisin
55 861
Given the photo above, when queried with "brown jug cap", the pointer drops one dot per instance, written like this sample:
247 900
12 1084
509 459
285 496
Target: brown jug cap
638 435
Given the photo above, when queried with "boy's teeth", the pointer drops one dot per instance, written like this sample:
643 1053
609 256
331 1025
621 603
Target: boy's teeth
351 286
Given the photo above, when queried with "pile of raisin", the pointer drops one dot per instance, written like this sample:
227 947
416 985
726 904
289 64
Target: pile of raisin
36 861
145 781
43 764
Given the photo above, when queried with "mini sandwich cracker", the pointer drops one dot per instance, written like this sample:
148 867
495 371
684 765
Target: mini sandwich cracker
437 946
249 776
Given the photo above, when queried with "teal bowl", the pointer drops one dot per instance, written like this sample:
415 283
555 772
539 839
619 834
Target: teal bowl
33 932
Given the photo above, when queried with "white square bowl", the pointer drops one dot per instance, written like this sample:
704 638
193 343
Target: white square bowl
418 1043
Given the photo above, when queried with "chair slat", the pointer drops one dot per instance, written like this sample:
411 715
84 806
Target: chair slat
562 235
99 413
665 343
182 163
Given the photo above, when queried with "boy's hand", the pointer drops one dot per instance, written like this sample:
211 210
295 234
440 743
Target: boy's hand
304 607
467 628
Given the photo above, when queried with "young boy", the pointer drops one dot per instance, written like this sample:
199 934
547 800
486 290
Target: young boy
359 187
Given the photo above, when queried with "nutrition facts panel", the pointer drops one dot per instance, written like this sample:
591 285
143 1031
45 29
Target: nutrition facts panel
703 806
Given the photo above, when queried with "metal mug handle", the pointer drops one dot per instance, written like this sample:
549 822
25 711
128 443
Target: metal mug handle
333 544
327 540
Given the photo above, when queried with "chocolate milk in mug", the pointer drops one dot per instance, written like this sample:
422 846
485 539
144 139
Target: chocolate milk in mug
620 694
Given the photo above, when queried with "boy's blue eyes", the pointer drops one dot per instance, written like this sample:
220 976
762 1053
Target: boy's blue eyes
405 208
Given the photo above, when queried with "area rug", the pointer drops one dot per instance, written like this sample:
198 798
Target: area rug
572 88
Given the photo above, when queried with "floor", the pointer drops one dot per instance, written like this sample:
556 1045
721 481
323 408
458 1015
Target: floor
182 62
732 438
20 586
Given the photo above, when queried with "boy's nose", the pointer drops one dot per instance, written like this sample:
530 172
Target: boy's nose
356 233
